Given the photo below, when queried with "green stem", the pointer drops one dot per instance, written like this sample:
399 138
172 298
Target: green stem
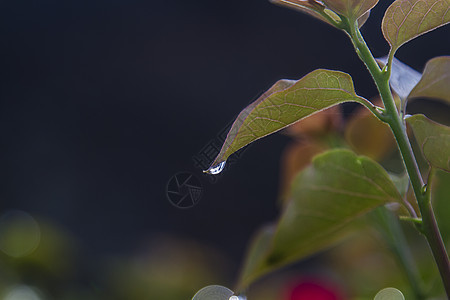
416 221
392 232
391 116
431 231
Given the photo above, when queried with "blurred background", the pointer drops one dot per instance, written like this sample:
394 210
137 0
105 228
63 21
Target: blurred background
103 102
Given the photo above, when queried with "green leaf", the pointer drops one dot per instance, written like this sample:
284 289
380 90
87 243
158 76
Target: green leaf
319 11
405 20
433 139
435 81
283 104
256 253
352 9
335 190
310 7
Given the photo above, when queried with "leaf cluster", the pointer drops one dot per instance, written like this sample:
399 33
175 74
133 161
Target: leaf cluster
338 186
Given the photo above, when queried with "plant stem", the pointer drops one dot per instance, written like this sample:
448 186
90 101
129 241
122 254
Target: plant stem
389 226
431 231
417 221
392 118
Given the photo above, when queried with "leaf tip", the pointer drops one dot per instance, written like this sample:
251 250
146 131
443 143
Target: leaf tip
216 168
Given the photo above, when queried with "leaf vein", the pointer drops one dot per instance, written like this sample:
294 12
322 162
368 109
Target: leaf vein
364 177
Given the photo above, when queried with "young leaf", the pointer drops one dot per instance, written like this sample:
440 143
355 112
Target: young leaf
310 7
362 20
435 81
284 104
317 10
433 139
352 9
336 189
405 20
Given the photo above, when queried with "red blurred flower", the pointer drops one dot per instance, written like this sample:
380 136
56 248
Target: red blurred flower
314 290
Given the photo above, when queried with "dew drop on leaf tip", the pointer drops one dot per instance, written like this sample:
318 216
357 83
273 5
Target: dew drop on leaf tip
216 170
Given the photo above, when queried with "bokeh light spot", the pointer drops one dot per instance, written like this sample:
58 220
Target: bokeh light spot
389 294
22 292
19 233
307 290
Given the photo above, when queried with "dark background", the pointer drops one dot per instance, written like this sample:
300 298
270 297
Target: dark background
102 102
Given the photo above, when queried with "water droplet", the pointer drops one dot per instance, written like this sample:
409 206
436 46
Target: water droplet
424 188
216 169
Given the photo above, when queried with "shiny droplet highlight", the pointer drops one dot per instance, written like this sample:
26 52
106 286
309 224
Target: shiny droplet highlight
216 169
